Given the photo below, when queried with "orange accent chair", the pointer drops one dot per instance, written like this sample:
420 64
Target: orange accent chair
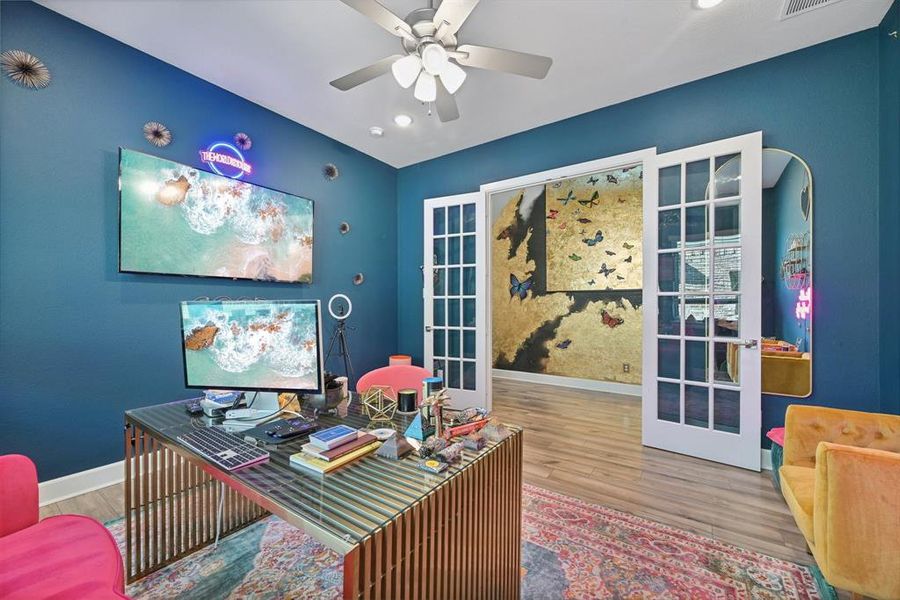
398 377
841 480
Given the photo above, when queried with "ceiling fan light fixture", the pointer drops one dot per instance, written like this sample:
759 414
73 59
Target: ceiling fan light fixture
406 70
434 59
426 87
452 77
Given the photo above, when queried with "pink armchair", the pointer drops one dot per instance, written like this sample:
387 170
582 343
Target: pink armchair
67 556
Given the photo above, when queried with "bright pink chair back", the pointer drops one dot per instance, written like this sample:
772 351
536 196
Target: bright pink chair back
399 377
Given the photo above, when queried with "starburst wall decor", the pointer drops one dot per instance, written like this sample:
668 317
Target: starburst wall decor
157 134
24 69
242 140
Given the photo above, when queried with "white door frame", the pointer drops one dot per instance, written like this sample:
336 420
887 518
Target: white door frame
482 295
647 157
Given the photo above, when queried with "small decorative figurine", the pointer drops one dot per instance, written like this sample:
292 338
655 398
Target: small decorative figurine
432 466
495 431
432 446
418 429
451 453
474 441
395 448
378 403
435 403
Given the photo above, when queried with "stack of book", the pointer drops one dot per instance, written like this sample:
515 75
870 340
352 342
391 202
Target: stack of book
333 447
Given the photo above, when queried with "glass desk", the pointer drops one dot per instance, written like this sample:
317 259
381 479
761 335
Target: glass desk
403 532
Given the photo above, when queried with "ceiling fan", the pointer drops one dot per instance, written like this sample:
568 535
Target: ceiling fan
430 46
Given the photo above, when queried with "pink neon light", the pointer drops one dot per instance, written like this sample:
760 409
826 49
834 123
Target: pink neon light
804 304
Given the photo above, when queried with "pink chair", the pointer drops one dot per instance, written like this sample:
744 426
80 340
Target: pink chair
399 377
67 556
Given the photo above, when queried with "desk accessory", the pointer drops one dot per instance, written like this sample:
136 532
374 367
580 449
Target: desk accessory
322 466
452 432
474 441
224 449
290 428
432 446
333 437
496 431
363 439
383 433
451 453
418 429
378 403
193 407
395 448
435 403
432 466
407 401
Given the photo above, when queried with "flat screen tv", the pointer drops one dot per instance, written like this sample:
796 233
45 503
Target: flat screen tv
175 219
267 345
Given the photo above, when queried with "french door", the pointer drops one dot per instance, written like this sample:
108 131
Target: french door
455 294
702 274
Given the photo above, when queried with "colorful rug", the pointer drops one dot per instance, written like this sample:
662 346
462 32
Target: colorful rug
571 549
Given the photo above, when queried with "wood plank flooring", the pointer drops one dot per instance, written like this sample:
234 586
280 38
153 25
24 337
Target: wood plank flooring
588 445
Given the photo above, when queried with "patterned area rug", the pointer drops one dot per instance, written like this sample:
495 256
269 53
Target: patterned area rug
571 549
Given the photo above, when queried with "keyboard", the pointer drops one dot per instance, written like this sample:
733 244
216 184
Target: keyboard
224 449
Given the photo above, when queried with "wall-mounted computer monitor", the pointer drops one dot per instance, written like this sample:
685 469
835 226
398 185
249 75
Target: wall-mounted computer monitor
256 345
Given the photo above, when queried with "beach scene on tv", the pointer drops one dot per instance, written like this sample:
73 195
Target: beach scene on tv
178 220
248 345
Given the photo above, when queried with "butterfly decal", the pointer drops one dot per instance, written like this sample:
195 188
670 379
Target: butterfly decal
611 179
519 288
504 235
593 180
611 321
592 202
574 257
622 200
610 253
553 213
627 246
592 282
628 260
620 278
598 237
556 185
569 197
606 271
584 220
564 344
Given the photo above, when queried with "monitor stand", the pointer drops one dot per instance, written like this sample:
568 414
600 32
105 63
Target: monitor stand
265 407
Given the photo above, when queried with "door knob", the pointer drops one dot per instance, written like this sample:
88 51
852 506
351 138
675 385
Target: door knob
428 328
747 343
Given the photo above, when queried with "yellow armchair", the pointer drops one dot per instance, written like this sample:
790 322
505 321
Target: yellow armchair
841 480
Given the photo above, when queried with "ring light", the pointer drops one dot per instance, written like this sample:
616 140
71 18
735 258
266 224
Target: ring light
331 307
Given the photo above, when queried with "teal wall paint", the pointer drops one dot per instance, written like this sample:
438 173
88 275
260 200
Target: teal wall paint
820 102
889 208
80 342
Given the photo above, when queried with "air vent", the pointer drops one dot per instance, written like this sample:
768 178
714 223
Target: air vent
792 8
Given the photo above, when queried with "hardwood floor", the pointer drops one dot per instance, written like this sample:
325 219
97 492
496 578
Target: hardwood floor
588 445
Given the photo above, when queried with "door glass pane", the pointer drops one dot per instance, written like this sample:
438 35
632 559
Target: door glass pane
727 313
728 223
440 313
453 250
668 407
453 281
439 342
670 185
469 344
453 312
453 343
440 225
727 263
440 251
728 362
669 320
469 249
469 312
728 176
439 368
469 218
439 282
696 180
727 410
670 229
453 219
696 316
468 375
696 270
670 272
696 226
695 360
469 281
453 374
669 359
696 406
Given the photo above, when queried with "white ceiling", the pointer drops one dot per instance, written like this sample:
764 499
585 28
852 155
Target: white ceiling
281 54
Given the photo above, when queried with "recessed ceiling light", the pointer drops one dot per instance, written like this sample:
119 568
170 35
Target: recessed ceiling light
403 120
708 3
376 132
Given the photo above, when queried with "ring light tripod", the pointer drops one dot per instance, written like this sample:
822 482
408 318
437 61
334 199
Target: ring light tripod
344 308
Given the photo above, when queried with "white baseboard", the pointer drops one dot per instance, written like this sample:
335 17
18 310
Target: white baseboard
765 459
570 382
79 483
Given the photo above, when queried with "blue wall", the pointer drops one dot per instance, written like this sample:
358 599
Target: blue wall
821 103
80 342
889 209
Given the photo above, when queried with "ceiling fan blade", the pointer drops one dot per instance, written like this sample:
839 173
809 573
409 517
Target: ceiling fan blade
382 16
509 61
452 14
366 73
445 104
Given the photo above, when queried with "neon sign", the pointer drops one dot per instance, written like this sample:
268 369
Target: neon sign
803 309
226 160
